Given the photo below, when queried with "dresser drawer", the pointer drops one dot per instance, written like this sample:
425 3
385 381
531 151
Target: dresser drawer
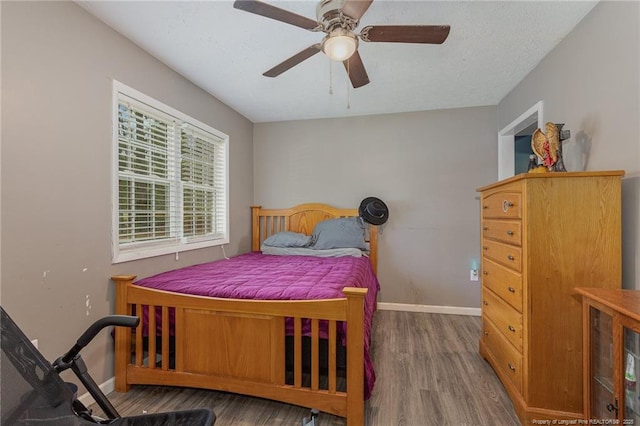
505 254
504 282
502 205
508 231
509 361
506 319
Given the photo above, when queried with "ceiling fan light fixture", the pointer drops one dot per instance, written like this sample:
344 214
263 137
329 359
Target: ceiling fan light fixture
340 45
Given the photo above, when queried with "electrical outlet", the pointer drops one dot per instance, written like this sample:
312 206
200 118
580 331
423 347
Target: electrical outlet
473 275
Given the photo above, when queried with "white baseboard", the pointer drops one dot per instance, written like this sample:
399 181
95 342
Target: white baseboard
107 387
431 309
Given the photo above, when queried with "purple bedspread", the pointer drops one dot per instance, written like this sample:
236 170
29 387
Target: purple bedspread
265 277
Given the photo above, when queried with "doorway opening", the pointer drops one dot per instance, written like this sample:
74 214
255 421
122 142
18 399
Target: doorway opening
513 146
523 150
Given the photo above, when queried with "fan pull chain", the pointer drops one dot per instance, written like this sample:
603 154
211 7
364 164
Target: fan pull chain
348 83
330 77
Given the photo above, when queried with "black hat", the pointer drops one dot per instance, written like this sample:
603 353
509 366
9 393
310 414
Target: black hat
374 211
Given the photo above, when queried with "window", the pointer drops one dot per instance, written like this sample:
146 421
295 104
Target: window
171 174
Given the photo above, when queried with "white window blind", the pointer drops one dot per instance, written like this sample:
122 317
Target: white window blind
172 179
203 184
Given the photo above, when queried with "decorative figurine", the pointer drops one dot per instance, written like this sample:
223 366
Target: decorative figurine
548 146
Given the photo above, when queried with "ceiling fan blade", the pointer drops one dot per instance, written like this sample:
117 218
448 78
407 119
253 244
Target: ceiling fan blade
293 61
433 34
264 9
355 69
355 8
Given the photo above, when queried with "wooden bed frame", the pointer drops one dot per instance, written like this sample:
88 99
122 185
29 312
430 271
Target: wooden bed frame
238 345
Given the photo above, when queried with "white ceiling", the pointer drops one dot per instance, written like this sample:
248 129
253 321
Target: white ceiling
491 48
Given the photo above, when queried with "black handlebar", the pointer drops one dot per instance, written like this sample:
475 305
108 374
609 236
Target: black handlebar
92 331
117 320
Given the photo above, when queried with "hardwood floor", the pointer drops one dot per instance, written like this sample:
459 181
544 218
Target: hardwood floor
428 371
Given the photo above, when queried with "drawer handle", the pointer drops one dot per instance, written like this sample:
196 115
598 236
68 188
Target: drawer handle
512 367
511 289
506 204
486 333
485 272
485 228
510 257
510 233
484 206
511 329
485 303
485 248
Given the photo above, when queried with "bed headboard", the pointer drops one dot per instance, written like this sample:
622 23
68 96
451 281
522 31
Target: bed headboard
303 218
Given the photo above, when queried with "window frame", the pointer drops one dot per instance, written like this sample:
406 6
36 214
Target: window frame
179 243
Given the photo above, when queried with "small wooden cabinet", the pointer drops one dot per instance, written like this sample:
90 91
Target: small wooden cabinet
611 336
542 236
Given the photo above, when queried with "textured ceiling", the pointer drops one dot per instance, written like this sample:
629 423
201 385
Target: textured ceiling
491 48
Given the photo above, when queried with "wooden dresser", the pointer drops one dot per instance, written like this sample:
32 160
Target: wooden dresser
542 236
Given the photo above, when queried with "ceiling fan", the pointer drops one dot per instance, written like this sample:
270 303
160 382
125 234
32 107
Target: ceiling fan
339 19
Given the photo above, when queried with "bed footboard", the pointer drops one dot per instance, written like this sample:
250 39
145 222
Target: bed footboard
238 346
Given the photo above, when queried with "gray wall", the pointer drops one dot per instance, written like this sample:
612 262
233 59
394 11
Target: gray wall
591 82
424 165
57 66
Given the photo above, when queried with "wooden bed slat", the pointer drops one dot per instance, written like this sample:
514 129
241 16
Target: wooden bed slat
277 352
264 229
332 353
297 352
165 338
152 337
315 350
181 342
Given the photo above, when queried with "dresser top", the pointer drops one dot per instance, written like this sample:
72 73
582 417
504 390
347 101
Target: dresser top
627 302
552 175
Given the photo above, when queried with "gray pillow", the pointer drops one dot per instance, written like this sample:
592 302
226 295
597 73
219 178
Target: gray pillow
287 239
346 232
